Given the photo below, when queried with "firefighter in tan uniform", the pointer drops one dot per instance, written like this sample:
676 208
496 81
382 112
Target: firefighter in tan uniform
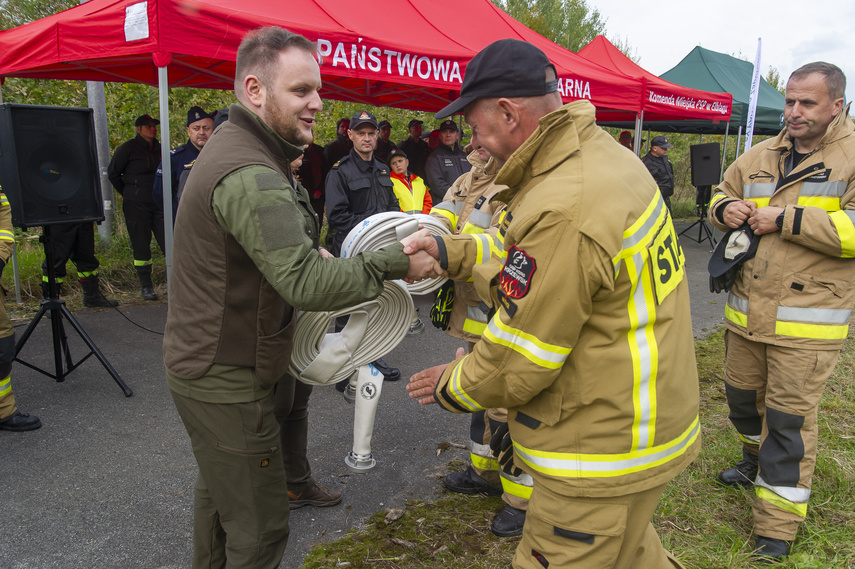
10 418
589 342
469 208
788 311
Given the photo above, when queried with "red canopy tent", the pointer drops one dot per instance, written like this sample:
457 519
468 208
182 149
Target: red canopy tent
399 53
661 99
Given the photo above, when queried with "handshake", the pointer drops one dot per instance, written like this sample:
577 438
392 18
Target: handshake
424 256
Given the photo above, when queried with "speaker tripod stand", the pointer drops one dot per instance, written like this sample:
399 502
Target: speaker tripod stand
702 201
57 310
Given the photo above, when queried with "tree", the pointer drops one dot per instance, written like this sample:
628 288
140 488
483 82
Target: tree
17 12
773 78
569 23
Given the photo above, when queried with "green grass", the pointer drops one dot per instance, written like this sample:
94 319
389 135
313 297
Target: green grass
705 525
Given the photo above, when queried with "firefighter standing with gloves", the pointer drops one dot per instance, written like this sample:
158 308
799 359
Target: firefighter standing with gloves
589 344
469 208
789 307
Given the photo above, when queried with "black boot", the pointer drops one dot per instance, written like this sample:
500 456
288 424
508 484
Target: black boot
743 473
144 273
19 422
389 373
769 550
46 292
508 523
92 297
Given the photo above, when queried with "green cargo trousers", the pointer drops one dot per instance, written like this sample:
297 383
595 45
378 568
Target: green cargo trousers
240 509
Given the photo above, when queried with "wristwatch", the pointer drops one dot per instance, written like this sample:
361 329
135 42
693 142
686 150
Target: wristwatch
779 221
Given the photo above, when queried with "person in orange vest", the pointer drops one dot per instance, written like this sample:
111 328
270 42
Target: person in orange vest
412 194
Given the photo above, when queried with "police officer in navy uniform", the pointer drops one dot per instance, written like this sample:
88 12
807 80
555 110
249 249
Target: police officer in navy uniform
200 125
416 149
357 187
384 145
447 163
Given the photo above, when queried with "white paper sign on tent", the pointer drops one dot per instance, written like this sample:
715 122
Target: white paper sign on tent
136 21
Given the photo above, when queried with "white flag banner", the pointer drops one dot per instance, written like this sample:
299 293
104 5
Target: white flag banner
752 102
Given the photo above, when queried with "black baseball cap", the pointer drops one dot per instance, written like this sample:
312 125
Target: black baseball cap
413 123
384 124
505 68
220 117
736 247
361 118
661 142
448 125
197 114
395 152
145 119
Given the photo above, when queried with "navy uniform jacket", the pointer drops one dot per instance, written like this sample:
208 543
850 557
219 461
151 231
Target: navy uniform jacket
356 189
179 159
444 166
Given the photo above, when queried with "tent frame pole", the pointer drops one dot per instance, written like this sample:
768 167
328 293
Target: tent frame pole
166 166
724 152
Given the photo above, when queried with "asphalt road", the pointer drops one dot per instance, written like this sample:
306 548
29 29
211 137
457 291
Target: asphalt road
107 482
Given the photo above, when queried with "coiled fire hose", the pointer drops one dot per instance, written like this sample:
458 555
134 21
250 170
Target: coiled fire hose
373 330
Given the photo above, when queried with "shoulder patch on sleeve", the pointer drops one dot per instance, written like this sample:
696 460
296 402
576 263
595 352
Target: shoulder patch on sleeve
516 276
280 226
269 181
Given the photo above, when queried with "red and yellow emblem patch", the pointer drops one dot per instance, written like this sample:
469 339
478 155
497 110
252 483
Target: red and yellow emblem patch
515 278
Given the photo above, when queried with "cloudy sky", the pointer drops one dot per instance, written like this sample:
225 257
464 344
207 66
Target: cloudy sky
793 33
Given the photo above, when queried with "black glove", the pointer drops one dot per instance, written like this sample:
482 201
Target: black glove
2 265
440 312
724 282
503 450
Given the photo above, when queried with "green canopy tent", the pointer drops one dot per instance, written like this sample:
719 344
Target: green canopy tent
718 72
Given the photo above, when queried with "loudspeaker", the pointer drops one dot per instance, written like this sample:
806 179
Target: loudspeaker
49 165
706 164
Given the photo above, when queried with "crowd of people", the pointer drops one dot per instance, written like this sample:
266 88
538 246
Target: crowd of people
567 284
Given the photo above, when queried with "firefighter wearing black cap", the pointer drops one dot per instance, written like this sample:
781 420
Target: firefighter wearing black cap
335 150
589 340
417 149
357 187
131 171
200 125
447 163
384 145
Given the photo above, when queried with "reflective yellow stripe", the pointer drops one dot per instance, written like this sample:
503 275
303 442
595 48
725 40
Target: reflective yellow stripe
845 227
717 197
761 202
446 214
86 275
474 327
520 486
457 392
577 465
6 386
6 235
141 263
536 351
484 463
812 331
736 317
792 507
822 202
644 350
639 235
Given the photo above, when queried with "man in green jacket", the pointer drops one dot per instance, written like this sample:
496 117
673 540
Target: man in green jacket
246 257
